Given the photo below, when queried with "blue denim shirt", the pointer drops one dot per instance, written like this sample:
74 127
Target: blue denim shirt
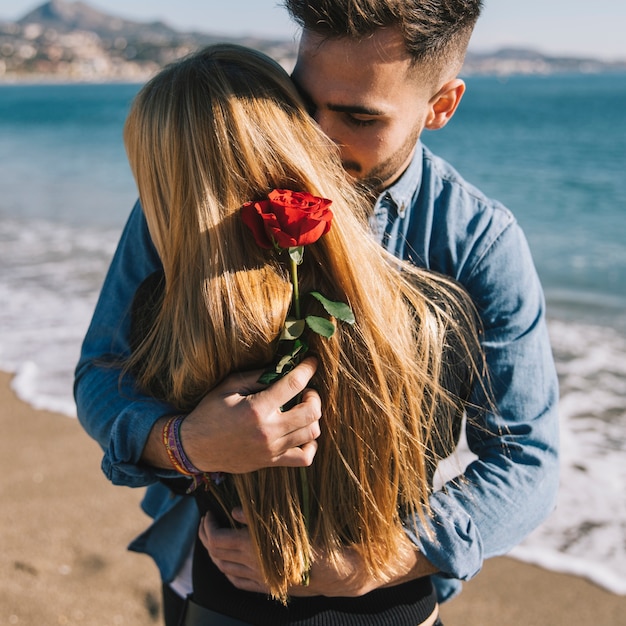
437 220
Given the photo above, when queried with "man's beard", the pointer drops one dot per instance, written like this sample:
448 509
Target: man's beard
375 181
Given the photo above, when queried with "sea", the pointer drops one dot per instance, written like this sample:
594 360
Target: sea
552 148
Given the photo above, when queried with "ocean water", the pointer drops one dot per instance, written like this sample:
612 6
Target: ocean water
553 149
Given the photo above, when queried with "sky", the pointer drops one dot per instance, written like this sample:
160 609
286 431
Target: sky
568 27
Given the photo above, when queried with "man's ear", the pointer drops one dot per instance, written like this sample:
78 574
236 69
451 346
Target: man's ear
444 103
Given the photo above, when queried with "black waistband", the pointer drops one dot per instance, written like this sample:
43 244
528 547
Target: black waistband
401 605
196 615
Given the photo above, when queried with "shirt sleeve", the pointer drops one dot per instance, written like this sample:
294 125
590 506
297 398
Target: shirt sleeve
110 407
511 486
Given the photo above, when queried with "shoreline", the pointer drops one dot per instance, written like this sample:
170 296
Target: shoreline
65 529
142 77
61 80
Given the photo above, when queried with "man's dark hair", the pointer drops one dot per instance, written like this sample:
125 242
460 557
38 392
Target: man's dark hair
432 29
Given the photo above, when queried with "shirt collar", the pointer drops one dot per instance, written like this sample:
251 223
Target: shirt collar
406 187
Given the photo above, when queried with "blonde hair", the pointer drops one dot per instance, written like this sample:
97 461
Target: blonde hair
207 134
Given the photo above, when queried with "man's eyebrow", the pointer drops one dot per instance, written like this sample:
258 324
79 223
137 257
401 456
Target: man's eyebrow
354 109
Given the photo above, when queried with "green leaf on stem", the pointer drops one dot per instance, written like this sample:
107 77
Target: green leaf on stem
268 377
296 254
292 329
321 326
340 310
286 363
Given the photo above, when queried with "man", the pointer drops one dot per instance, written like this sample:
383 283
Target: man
375 74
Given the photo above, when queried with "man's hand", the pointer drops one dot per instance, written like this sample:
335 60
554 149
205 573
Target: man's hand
232 552
239 427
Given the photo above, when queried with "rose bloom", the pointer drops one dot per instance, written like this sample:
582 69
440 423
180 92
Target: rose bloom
287 219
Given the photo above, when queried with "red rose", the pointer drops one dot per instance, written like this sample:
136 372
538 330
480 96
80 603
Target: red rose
287 218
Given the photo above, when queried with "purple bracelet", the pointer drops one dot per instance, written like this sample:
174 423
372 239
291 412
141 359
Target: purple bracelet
175 451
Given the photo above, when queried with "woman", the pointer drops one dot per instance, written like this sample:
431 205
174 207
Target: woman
221 130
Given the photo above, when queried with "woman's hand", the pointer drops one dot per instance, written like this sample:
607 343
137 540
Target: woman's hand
232 552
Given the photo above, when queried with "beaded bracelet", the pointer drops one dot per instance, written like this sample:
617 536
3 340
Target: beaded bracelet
175 452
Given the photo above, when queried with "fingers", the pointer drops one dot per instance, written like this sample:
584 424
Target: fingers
239 516
297 428
265 401
300 424
290 385
297 446
237 429
298 456
220 542
282 391
242 383
231 551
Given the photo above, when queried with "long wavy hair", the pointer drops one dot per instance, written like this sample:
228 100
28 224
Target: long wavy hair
208 133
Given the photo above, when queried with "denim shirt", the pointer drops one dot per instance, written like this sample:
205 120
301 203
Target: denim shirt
434 218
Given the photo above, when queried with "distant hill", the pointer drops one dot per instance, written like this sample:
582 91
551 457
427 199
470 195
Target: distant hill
65 17
524 61
72 41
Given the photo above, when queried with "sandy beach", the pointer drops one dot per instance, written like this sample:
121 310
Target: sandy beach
64 531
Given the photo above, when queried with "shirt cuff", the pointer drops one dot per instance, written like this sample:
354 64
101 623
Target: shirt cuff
122 462
449 539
